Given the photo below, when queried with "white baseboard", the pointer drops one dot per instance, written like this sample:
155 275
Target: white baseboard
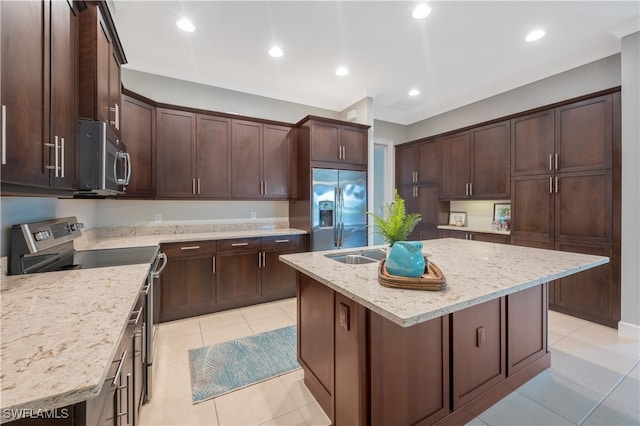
628 330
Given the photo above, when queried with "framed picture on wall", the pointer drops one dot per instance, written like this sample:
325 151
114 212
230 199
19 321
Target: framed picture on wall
501 212
458 218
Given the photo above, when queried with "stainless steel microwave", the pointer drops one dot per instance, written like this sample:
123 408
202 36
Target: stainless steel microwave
104 164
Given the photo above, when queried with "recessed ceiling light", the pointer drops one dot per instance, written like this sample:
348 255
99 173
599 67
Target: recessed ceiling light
535 35
421 11
276 52
342 71
414 92
185 25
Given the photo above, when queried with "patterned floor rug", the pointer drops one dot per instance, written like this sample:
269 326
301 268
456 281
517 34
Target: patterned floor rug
225 367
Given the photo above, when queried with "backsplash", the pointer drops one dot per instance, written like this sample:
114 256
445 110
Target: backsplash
479 212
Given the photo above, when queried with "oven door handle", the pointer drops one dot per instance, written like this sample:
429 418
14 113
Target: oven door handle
123 180
161 256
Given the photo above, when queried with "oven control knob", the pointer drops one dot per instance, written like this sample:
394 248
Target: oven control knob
77 226
42 235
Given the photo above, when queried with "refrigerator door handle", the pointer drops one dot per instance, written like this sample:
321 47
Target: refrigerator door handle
336 221
341 217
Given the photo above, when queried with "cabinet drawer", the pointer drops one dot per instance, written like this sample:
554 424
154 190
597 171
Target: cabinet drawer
281 242
189 248
239 244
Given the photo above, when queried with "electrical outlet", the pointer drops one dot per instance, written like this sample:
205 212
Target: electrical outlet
253 215
157 217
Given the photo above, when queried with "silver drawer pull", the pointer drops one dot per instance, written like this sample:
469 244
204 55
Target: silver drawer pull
116 377
281 241
137 318
239 244
190 248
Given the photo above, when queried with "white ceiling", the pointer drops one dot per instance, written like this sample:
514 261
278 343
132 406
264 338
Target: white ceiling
461 53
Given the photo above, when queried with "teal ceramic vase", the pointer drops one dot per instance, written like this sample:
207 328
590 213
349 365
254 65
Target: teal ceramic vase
405 259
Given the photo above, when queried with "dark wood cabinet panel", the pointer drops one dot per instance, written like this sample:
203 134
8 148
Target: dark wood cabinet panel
213 156
100 58
63 80
354 143
478 348
433 212
316 339
409 371
584 135
526 327
176 135
325 141
138 133
406 165
446 233
238 277
490 161
583 206
477 236
418 163
532 208
533 144
276 148
188 281
278 279
246 167
455 165
590 294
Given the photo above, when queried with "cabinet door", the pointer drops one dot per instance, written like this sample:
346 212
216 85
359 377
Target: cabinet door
409 195
278 279
114 92
325 141
428 204
213 156
532 209
447 233
455 165
589 294
526 328
138 133
583 206
175 153
276 161
354 145
101 109
490 163
478 346
238 272
406 165
64 111
584 134
246 167
428 162
532 144
24 156
188 281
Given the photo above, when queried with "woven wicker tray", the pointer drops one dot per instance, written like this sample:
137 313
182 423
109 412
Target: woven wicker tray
432 280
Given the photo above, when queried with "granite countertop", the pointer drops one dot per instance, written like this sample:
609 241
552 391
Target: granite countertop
467 229
475 272
60 331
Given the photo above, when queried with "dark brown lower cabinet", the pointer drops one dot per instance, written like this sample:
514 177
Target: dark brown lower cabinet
208 276
365 369
477 236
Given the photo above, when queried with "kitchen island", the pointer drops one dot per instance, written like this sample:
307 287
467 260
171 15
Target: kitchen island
376 355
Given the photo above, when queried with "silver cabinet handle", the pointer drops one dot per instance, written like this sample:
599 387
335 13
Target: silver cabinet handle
137 318
265 188
556 184
62 157
239 244
116 377
466 189
213 264
259 259
4 134
55 145
556 161
193 186
198 185
550 185
190 248
470 188
117 117
550 161
128 409
281 241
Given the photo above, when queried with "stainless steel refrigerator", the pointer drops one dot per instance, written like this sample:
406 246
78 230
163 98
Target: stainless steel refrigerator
339 206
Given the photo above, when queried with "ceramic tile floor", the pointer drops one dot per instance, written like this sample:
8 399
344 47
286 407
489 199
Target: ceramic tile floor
594 378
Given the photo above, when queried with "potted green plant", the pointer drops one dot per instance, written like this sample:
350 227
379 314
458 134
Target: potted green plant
396 224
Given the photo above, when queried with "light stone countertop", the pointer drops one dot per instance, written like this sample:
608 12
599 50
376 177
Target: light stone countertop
475 272
60 331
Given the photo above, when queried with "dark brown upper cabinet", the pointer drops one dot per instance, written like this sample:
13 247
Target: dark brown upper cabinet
476 163
213 156
100 56
39 89
333 142
418 163
175 154
260 160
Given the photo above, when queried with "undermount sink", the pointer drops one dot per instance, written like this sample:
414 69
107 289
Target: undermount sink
359 257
